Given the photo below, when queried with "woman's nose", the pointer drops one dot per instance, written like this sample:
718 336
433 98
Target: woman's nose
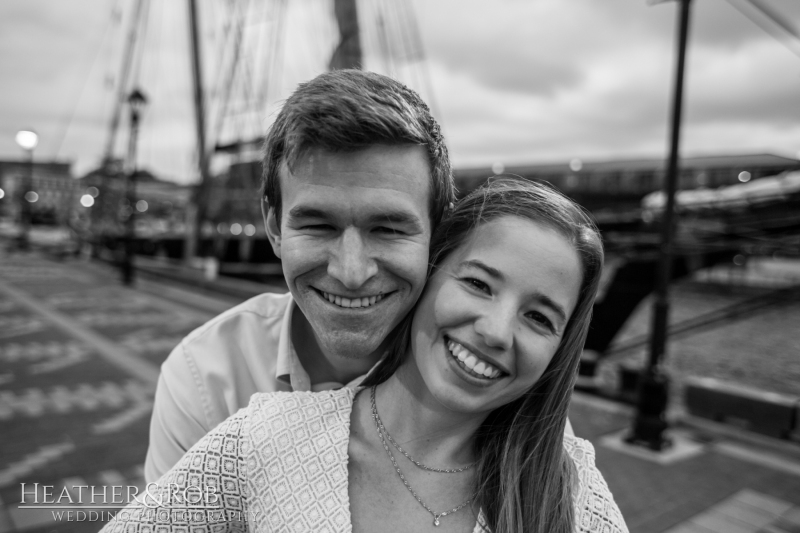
496 326
350 262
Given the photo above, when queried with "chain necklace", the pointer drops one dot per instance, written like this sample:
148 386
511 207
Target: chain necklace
379 422
381 430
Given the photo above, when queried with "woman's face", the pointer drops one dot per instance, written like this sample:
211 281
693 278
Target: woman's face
494 313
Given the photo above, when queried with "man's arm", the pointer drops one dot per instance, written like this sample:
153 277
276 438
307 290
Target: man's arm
179 419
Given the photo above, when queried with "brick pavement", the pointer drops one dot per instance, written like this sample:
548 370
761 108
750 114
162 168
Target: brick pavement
690 495
79 355
72 415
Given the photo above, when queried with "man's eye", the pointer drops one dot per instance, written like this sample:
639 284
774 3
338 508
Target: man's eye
317 227
388 231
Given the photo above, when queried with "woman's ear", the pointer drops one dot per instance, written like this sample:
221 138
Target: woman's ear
272 227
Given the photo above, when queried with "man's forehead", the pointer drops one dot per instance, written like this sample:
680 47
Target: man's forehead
404 168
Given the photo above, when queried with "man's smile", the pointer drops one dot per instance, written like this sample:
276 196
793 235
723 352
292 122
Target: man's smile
355 302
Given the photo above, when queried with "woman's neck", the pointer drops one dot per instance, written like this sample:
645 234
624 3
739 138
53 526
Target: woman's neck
429 432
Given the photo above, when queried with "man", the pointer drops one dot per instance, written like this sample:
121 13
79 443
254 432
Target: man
356 177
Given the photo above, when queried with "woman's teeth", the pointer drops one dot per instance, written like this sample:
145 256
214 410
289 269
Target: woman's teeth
474 364
367 301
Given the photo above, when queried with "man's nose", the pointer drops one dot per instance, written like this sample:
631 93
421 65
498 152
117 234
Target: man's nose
496 326
350 262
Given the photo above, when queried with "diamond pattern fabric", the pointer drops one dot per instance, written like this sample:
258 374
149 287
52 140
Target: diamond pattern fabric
280 465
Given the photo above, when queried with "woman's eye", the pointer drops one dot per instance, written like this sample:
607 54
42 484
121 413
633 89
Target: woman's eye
541 319
477 284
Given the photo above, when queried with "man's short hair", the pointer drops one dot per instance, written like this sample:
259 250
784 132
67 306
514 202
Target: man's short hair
350 110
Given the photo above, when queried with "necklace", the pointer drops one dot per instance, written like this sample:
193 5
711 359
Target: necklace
381 430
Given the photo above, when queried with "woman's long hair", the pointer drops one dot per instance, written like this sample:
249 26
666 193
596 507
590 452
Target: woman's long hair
524 478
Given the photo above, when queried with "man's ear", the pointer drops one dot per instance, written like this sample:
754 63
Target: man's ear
272 227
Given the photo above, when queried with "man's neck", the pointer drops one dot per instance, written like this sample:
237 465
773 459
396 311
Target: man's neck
323 367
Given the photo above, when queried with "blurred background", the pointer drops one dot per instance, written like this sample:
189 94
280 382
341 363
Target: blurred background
130 133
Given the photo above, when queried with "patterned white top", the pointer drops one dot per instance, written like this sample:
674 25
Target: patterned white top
280 465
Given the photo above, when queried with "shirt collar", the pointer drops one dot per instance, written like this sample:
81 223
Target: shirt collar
288 368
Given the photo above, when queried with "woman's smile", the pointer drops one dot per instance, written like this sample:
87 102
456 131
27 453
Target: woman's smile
474 364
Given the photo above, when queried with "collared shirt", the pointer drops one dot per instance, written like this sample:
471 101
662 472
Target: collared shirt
215 370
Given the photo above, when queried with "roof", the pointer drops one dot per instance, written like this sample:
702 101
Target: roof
642 165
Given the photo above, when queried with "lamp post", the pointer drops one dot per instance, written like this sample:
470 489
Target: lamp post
137 101
27 140
650 423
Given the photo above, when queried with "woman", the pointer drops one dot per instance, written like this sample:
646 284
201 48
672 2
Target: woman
460 428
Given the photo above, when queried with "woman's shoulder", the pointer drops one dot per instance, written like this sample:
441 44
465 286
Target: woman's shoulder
595 508
287 409
327 399
580 450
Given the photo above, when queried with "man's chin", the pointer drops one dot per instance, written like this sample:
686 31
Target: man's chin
352 346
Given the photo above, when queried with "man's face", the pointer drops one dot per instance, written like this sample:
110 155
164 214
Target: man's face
354 236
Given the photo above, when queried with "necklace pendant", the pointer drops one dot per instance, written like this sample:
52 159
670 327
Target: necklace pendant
435 520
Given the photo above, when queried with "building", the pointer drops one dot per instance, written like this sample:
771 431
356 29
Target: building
160 205
54 187
619 185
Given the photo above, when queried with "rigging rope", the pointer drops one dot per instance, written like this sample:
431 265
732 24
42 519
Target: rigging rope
122 84
774 18
98 48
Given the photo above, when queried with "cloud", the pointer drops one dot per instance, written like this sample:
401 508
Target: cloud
516 81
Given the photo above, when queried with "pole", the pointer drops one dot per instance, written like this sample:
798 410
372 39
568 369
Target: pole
197 206
130 194
122 88
26 183
651 420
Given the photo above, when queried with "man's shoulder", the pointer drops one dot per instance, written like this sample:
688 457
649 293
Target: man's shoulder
270 307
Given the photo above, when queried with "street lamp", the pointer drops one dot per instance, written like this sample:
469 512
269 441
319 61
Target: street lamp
137 102
27 140
650 424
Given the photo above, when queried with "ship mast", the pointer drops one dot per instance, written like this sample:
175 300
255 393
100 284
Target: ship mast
197 206
348 52
122 85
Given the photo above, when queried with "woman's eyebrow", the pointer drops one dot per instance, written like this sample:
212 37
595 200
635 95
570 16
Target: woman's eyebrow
491 271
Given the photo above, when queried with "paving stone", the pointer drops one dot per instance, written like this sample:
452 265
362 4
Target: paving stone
792 516
746 513
721 523
772 505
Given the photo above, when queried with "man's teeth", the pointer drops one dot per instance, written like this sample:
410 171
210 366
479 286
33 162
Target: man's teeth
366 301
472 361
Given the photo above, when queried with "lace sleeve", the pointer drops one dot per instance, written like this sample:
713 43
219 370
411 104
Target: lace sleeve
204 492
595 508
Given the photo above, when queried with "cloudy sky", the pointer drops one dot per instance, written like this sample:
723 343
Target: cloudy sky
511 81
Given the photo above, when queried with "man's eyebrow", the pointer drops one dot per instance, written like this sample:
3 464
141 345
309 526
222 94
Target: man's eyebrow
302 211
394 217
496 274
391 217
